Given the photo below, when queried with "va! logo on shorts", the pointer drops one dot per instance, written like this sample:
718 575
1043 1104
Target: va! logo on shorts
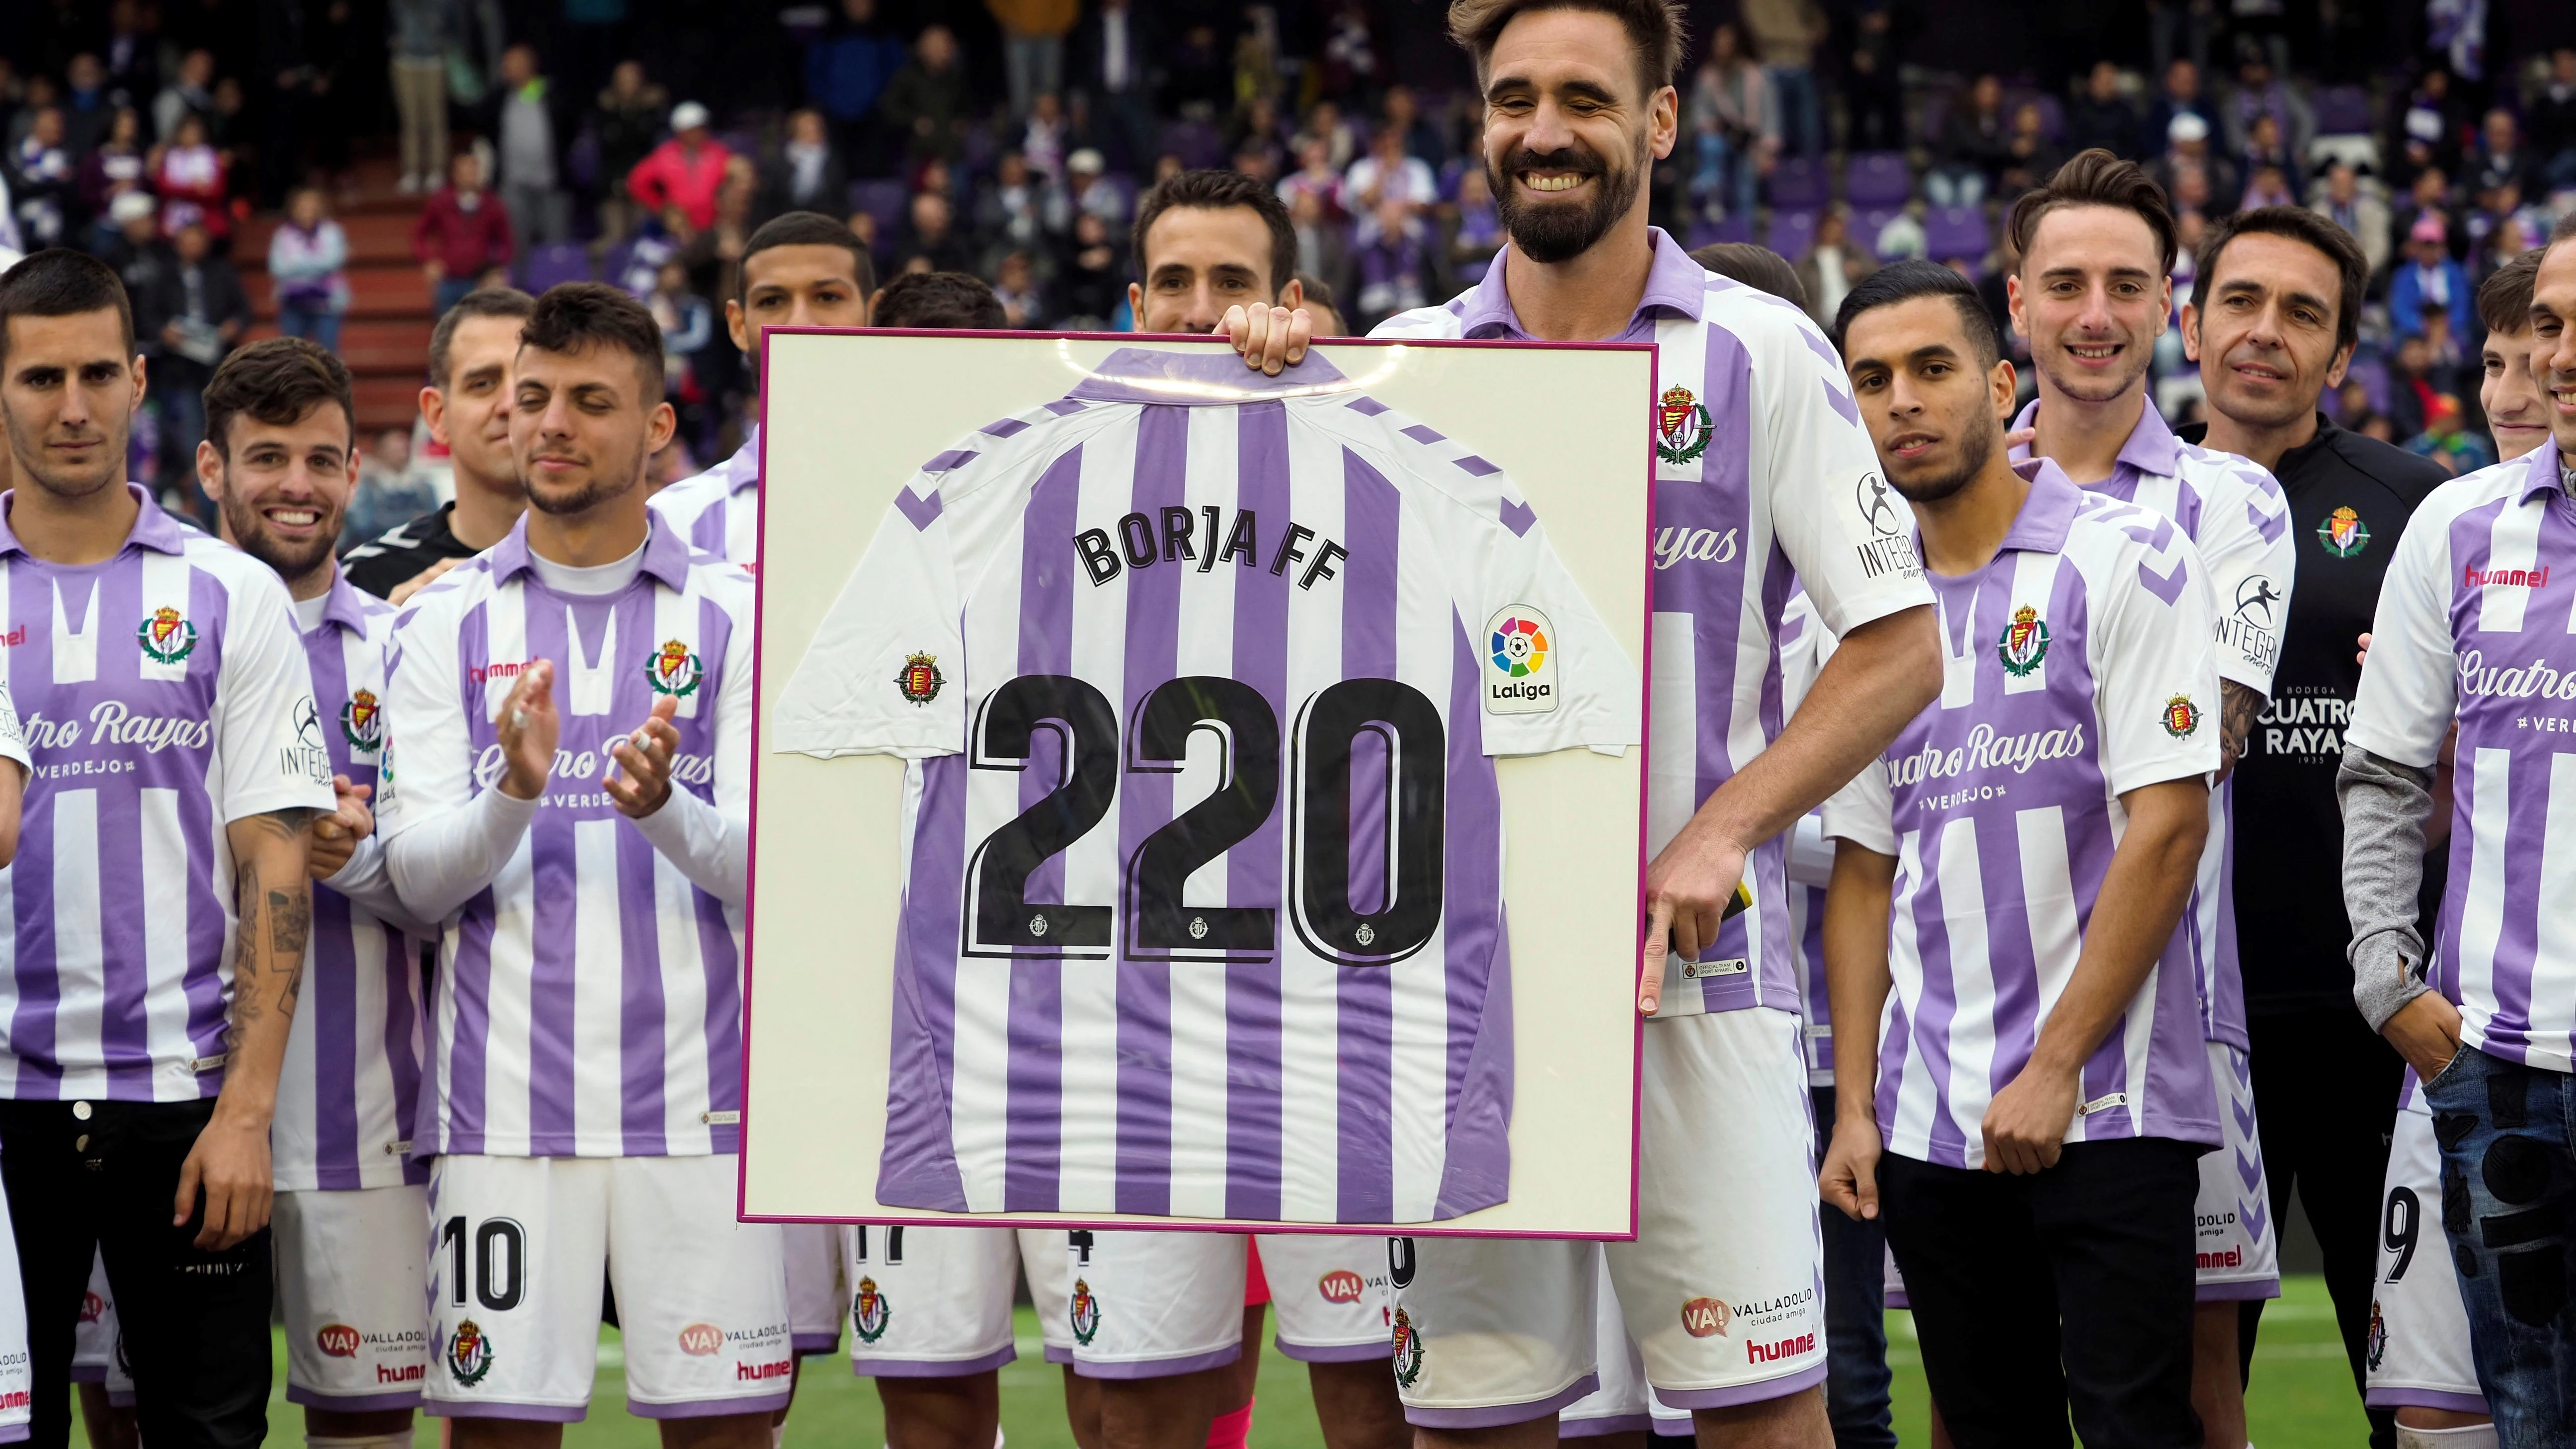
1086 1313
869 1312
469 1355
1407 1350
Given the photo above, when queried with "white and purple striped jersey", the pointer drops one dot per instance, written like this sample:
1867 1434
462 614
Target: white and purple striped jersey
1201 673
164 695
718 511
1764 480
351 1079
2235 514
1804 648
2477 622
589 1000
2077 666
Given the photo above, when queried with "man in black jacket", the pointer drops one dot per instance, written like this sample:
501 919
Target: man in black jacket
201 311
2272 326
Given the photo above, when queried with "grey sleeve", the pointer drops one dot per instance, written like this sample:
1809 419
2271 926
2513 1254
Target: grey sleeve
2385 805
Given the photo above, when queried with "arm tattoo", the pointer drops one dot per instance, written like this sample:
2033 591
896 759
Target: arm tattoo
246 951
290 923
2237 706
283 824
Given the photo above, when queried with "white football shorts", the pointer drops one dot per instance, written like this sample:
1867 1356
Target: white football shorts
816 1291
1722 1290
1625 1403
97 1355
17 1370
1328 1295
519 1248
936 1302
2418 1349
349 1271
2238 1255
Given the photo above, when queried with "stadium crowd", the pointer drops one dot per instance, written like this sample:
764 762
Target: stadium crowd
2235 285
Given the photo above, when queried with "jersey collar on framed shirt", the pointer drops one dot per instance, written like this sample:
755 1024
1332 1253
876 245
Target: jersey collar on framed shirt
153 529
2152 447
1200 377
1673 281
666 553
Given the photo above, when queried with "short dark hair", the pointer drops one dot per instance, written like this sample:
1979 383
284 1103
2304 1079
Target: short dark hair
579 315
60 282
1212 190
2504 298
1657 31
2299 224
2096 178
277 380
1756 266
2565 230
1912 277
806 229
950 300
481 302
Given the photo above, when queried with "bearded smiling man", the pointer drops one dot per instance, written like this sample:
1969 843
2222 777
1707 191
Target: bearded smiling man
281 462
1495 1339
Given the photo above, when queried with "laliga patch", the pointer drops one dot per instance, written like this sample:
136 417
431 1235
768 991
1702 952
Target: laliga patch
1520 662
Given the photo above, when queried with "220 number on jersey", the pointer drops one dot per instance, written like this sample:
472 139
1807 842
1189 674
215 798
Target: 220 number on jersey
1399 721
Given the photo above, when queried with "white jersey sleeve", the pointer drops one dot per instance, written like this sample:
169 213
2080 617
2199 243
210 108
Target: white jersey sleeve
2246 546
424 769
13 738
1848 534
1864 811
270 751
881 676
2154 661
2410 684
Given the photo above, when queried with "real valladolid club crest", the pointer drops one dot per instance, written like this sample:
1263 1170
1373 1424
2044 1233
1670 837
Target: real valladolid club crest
869 1313
469 1354
2024 642
1682 426
673 670
2181 716
166 637
2377 1343
362 722
1086 1313
2343 533
919 679
1407 1350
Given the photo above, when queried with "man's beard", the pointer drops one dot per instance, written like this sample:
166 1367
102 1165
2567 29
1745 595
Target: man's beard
1551 232
289 561
1976 448
116 436
605 484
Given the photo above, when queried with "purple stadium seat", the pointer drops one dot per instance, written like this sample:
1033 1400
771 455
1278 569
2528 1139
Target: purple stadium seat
1877 178
1955 231
1791 233
2343 110
1735 228
1868 221
882 198
1196 142
2372 374
1799 184
553 265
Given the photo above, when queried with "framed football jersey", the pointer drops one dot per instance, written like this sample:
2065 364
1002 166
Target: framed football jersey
1191 798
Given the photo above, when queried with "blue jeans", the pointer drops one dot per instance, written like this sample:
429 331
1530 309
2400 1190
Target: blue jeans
1802 117
1856 1377
322 326
2508 1138
1726 171
447 293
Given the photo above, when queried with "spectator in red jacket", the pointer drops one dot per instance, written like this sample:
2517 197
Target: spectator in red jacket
685 171
462 233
